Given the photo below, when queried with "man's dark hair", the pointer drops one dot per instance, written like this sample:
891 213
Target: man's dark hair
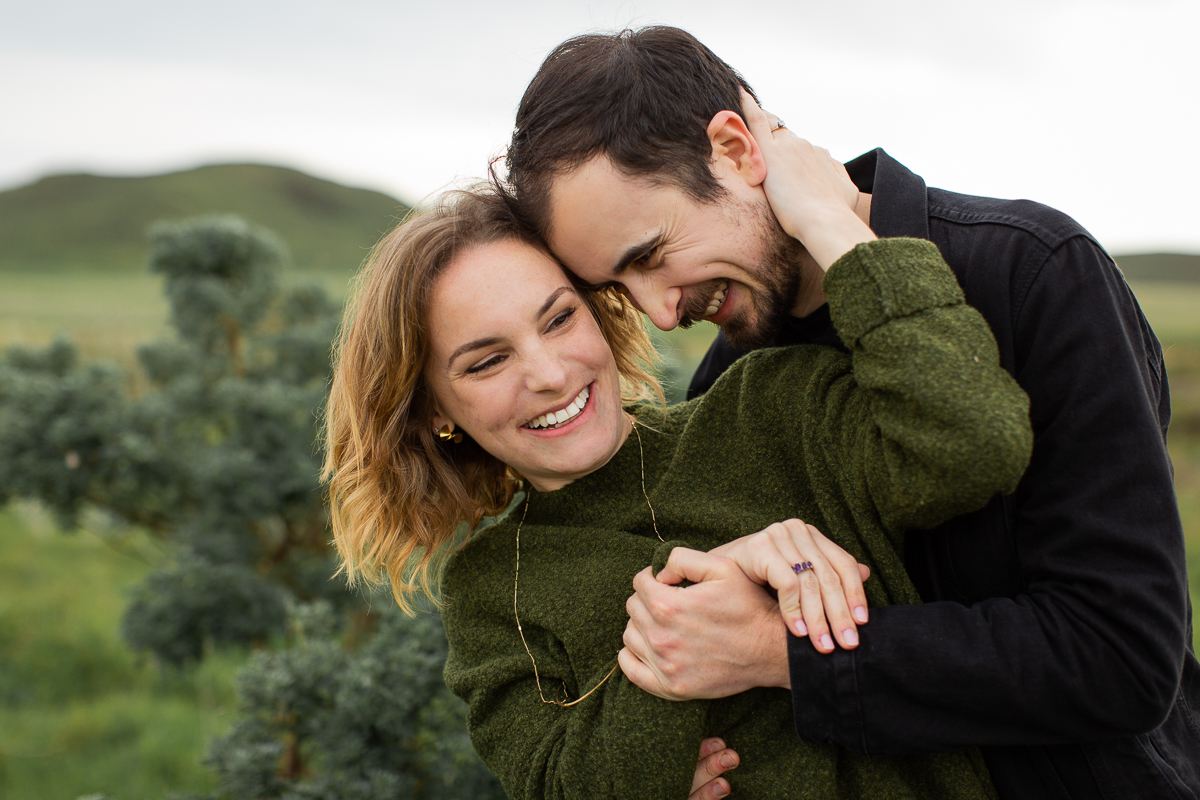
643 98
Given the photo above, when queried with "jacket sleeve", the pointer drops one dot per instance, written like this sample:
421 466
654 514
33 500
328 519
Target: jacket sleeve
1088 645
617 742
920 422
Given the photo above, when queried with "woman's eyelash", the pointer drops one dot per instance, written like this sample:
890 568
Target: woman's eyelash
481 366
561 319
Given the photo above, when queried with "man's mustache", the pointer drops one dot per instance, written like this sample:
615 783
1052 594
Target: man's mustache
696 302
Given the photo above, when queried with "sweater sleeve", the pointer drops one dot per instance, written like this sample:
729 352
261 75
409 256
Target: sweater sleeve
920 423
617 742
1086 643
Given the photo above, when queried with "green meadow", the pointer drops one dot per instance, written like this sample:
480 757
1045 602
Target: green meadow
80 714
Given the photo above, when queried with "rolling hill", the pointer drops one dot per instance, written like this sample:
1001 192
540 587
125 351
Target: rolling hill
1160 267
98 223
65 223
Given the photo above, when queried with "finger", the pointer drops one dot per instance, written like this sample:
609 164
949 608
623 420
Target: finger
711 791
712 767
812 606
781 574
635 641
833 598
756 118
713 744
693 565
652 603
640 675
849 574
797 547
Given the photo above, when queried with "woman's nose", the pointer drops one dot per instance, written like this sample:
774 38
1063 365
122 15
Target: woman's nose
547 372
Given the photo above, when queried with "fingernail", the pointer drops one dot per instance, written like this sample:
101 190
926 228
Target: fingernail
801 628
720 791
850 637
860 614
826 641
728 761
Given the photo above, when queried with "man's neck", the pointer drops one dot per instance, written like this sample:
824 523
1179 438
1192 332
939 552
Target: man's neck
812 295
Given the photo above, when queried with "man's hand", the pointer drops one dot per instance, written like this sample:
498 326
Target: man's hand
715 759
716 638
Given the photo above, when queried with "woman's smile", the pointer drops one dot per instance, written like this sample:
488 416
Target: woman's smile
563 420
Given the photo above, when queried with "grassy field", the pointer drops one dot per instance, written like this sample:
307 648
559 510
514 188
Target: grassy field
79 714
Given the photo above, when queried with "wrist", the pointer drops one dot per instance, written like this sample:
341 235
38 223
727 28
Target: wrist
830 236
773 662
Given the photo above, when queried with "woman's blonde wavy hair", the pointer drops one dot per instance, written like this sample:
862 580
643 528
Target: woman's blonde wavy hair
397 494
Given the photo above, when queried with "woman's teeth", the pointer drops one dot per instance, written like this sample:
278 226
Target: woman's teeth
561 417
714 304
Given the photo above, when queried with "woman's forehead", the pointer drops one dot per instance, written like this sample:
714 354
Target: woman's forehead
491 289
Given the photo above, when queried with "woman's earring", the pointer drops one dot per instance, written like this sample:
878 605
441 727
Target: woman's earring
446 433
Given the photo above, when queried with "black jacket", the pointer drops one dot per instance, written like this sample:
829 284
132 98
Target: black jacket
1056 632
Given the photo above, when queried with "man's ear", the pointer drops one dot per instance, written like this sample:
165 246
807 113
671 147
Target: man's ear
734 150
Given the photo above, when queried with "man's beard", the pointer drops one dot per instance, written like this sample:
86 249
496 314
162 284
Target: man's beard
780 273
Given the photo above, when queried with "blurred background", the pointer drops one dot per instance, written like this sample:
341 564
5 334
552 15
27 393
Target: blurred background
120 642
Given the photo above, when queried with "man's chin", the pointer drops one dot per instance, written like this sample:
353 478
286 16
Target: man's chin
745 334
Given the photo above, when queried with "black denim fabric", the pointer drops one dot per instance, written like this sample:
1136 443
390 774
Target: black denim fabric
1056 632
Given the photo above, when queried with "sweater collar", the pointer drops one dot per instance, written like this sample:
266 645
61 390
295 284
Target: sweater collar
573 503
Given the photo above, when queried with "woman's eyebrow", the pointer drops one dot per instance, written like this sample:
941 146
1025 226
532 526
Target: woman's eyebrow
479 344
557 293
469 346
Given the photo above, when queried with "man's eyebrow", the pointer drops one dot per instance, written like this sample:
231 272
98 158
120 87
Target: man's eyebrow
479 344
635 252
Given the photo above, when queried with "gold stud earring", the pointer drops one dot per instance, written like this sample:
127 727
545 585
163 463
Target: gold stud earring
446 433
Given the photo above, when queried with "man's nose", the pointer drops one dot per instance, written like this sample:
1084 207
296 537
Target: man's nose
660 304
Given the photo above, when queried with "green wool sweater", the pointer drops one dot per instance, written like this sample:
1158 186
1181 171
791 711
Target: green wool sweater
918 424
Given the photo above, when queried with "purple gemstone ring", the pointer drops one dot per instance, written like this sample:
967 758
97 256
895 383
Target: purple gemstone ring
803 566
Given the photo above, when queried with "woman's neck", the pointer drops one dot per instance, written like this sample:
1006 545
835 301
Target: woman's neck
552 483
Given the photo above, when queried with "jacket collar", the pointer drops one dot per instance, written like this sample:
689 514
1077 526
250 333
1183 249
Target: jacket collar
899 202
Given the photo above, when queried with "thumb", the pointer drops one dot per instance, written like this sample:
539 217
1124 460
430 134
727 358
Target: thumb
685 564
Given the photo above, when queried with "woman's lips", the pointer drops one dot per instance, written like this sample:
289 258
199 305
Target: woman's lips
560 418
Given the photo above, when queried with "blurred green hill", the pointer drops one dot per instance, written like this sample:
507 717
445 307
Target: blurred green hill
1160 267
68 223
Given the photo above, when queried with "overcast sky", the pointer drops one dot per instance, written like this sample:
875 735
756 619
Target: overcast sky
1087 106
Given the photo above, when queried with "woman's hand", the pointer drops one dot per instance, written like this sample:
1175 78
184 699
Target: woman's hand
715 759
829 595
810 193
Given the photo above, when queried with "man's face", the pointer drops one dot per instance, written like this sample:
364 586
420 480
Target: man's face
679 260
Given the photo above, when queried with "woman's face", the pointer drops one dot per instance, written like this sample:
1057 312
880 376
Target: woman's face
514 350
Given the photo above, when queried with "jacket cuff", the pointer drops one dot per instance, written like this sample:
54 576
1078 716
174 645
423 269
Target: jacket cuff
825 702
887 279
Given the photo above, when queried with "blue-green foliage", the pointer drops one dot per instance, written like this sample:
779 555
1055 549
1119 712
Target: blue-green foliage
213 450
217 454
327 723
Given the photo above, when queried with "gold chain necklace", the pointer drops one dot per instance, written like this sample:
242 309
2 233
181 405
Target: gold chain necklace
517 575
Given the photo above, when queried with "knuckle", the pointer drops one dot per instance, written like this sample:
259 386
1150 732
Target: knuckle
662 610
660 642
830 579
